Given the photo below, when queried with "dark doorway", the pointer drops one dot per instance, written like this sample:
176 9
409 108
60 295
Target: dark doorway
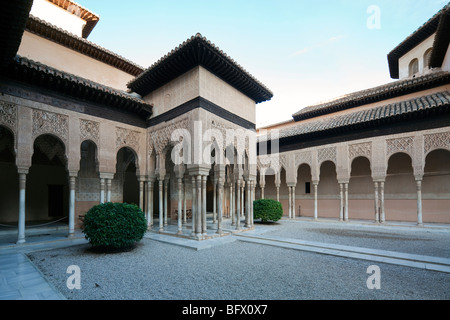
55 200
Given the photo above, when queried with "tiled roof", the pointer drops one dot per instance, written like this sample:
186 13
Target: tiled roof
81 45
85 14
13 17
380 93
425 31
43 76
437 103
193 52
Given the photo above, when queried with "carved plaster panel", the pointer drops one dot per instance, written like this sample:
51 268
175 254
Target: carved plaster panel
89 130
127 138
48 122
8 115
436 141
405 144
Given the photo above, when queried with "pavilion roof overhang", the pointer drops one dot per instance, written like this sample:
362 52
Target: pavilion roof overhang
88 16
439 24
198 51
33 73
13 18
48 31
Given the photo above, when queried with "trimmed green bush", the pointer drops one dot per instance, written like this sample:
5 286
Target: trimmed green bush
114 225
267 210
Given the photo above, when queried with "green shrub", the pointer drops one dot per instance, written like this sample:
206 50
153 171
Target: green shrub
114 225
267 210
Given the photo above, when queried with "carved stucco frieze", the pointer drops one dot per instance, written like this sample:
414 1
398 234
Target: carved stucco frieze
8 115
435 141
89 130
45 122
360 150
127 138
405 144
326 154
161 137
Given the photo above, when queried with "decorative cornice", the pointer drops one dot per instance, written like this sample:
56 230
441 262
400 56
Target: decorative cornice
194 52
62 37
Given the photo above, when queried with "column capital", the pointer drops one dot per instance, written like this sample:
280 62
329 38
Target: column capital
106 175
23 170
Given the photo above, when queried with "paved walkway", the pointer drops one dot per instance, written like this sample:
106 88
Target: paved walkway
21 280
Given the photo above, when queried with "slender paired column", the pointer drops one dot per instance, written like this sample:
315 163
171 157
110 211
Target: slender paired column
231 204
247 208
262 191
166 201
290 202
161 207
252 198
238 205
108 190
194 206
214 201
184 205
141 194
71 206
242 198
180 226
199 208
377 207
419 201
383 214
220 206
293 202
341 206
278 192
315 183
346 201
204 178
150 203
102 190
21 224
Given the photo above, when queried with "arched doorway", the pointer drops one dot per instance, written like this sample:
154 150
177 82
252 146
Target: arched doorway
126 177
304 193
400 189
361 190
9 181
436 187
328 191
47 182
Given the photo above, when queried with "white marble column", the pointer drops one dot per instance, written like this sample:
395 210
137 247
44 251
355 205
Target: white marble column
102 190
346 201
252 198
383 214
141 194
341 203
220 206
108 190
315 183
21 224
166 201
204 225
214 201
184 203
150 203
161 205
293 202
180 225
199 208
194 206
377 208
290 202
262 191
72 206
278 192
231 203
419 201
238 205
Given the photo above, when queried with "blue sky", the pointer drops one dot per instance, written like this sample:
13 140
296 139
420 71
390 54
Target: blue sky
304 51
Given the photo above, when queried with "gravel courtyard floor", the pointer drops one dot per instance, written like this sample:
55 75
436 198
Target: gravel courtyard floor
246 271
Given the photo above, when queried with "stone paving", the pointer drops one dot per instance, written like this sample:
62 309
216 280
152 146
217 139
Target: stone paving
21 280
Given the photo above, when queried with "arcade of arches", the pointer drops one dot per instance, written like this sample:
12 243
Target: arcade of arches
49 175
